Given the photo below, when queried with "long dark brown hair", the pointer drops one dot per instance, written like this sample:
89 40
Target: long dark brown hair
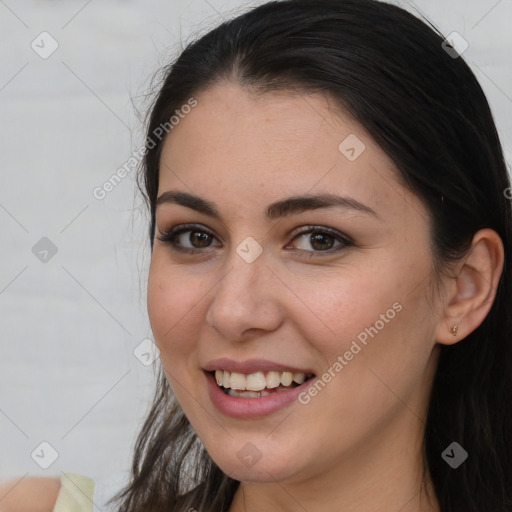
424 107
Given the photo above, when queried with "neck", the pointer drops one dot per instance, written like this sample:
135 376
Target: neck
384 474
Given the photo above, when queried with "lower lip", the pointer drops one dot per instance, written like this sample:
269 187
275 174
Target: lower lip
250 408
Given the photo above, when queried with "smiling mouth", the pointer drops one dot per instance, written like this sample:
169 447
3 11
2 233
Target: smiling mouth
258 384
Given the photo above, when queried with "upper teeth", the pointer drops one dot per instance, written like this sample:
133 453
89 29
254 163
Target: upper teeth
257 381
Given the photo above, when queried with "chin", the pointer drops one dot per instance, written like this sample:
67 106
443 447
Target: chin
244 464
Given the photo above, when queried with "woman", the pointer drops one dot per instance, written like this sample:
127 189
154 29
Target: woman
330 272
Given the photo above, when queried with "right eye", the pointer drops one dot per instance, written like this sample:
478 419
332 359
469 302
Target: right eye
197 237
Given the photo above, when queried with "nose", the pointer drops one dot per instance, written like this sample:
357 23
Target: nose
247 300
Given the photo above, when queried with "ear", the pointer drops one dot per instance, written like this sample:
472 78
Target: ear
471 293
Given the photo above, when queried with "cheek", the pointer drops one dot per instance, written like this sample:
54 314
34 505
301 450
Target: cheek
339 307
173 308
375 318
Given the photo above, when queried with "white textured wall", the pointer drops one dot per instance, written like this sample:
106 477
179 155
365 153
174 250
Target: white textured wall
69 326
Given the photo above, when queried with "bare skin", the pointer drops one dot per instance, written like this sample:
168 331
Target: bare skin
30 494
356 445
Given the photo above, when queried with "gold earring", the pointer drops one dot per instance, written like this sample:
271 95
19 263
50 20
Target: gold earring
454 329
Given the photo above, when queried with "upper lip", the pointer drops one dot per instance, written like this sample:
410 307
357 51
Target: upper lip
251 366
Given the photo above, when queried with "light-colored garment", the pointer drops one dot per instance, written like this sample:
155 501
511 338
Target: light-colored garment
80 493
76 494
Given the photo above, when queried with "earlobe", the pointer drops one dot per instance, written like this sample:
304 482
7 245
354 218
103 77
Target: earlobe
474 288
454 329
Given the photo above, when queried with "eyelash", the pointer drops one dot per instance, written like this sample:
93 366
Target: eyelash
170 236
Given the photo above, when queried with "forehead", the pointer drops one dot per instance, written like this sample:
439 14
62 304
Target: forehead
250 148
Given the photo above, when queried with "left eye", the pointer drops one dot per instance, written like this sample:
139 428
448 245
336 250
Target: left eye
320 238
323 239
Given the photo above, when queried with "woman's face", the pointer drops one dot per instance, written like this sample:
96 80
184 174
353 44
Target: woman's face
261 292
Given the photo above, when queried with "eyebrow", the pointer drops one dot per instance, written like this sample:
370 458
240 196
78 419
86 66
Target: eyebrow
288 206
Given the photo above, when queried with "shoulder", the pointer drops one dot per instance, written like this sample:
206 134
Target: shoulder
29 494
76 493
